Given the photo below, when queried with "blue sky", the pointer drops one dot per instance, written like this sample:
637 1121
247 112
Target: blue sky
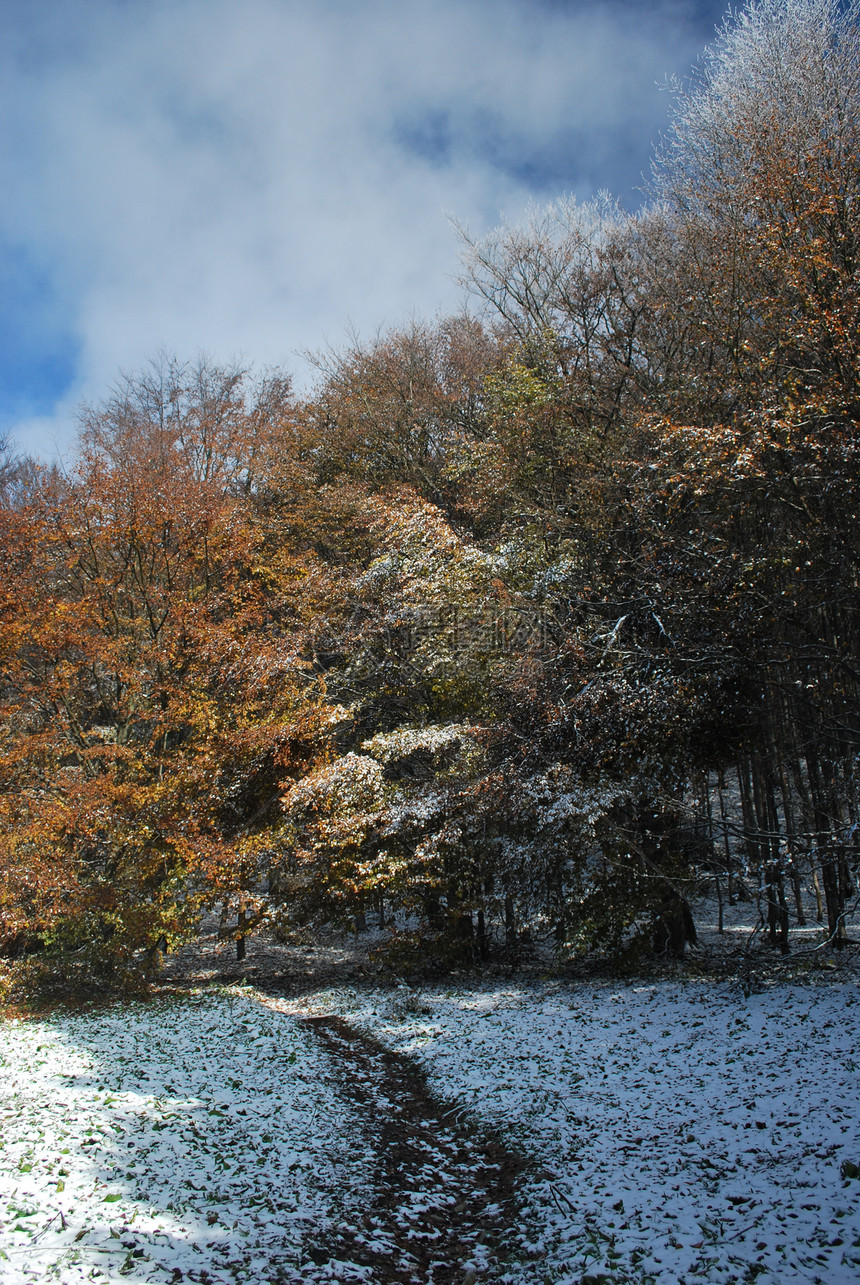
253 179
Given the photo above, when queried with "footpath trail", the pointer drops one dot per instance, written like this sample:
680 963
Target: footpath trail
445 1205
445 1209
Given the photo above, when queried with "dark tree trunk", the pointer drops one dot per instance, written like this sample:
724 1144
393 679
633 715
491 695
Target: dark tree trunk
674 927
482 935
510 924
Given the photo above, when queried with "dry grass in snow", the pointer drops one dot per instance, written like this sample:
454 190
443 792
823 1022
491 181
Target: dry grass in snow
204 1140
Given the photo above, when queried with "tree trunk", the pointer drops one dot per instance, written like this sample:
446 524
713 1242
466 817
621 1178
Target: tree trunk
819 904
482 935
510 924
724 824
240 940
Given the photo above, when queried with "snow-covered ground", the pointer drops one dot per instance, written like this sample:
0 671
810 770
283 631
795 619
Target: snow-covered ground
203 1139
680 1132
684 1132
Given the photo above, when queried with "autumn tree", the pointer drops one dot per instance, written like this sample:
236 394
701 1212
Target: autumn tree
399 409
760 181
217 420
545 616
676 427
155 685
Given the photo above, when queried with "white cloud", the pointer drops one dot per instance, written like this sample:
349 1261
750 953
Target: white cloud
207 175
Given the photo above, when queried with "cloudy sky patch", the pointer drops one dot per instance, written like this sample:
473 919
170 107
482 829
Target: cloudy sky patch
251 179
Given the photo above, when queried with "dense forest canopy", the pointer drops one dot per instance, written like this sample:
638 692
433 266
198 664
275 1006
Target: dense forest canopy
537 615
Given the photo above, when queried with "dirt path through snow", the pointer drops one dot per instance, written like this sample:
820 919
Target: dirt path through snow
445 1208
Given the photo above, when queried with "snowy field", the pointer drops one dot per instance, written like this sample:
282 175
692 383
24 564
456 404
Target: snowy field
680 1132
203 1140
685 1133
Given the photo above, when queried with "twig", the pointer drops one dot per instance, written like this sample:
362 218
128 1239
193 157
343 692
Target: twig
41 1233
743 1231
558 1197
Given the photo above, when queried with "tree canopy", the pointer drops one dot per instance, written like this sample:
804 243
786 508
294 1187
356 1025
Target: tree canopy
541 614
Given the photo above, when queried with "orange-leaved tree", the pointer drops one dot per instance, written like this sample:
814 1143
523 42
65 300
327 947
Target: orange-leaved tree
155 683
